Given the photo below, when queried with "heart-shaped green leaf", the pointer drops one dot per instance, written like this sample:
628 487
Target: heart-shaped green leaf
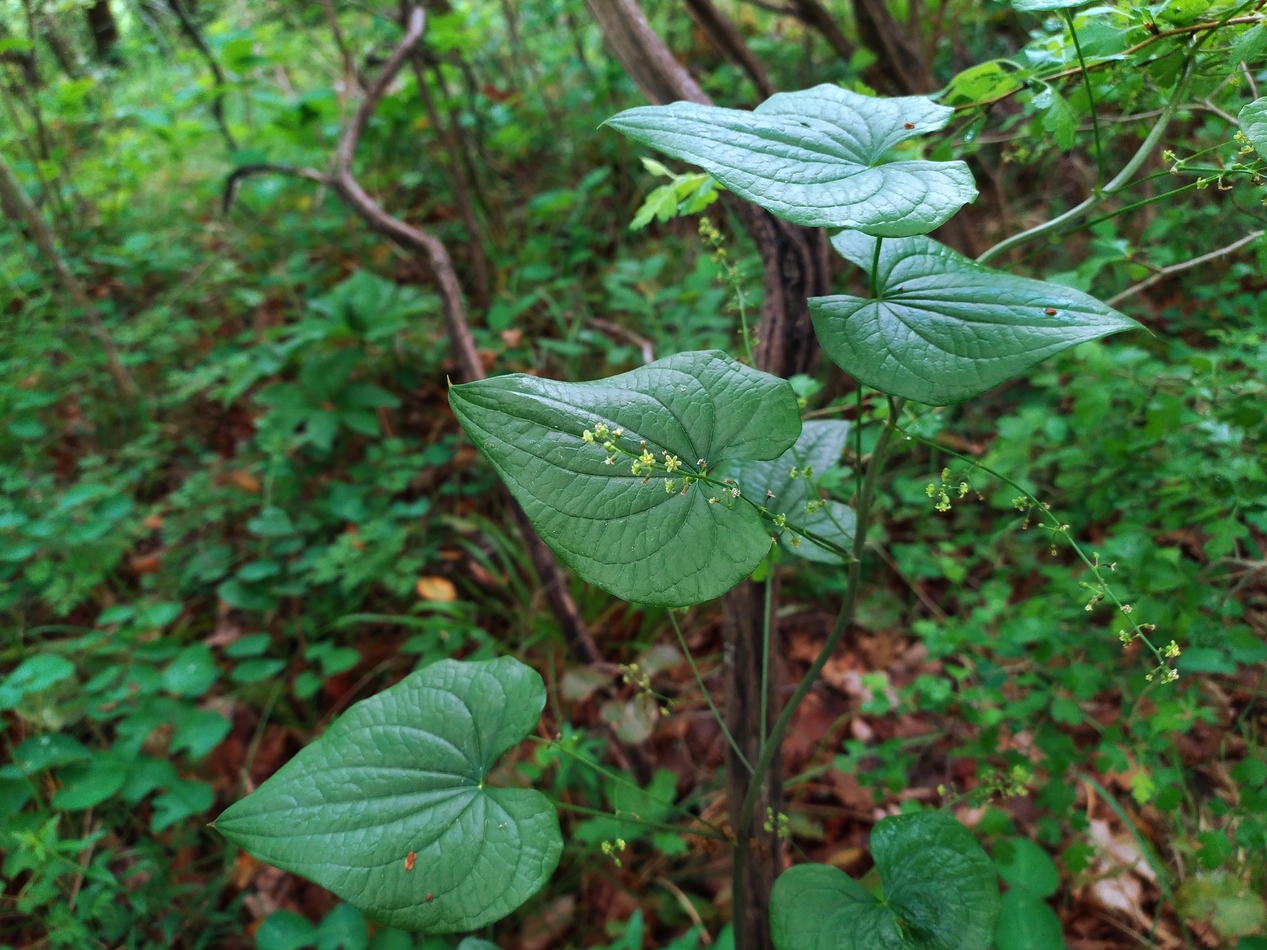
790 480
1253 123
818 157
940 893
945 328
390 811
654 528
1027 923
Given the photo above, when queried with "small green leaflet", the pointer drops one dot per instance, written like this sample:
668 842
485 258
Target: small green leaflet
819 448
940 893
1027 923
946 328
818 157
645 534
390 811
1253 123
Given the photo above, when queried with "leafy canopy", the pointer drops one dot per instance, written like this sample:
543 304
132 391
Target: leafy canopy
390 810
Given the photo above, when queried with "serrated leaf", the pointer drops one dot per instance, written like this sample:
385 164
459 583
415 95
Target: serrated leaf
818 157
632 536
1253 123
820 447
940 893
946 328
403 773
1059 120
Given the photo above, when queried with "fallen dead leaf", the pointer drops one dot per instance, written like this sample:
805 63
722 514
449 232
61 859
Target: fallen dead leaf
439 589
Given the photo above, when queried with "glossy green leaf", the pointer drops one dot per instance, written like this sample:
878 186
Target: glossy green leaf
285 930
1026 865
404 773
624 529
819 157
795 498
1253 123
1027 923
940 893
945 328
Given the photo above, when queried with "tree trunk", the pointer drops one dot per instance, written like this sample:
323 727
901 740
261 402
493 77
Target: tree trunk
813 14
794 262
104 30
725 37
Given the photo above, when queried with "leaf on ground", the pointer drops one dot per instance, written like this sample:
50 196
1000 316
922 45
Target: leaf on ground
940 893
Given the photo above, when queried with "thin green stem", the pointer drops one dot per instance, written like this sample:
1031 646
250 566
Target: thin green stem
1086 82
658 825
1136 205
616 778
1056 527
743 824
699 680
857 440
1098 197
765 655
875 268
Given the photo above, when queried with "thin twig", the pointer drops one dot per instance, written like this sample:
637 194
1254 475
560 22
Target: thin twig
1183 266
190 29
13 195
343 183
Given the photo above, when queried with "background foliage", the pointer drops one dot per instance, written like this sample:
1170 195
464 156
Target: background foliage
194 583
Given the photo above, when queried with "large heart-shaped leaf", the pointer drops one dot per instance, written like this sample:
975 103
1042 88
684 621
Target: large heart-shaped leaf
788 485
1253 123
945 328
818 157
650 531
389 808
940 893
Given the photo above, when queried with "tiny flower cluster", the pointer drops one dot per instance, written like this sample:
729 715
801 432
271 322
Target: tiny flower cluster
643 462
942 491
777 824
613 848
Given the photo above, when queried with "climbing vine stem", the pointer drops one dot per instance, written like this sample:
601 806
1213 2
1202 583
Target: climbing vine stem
743 825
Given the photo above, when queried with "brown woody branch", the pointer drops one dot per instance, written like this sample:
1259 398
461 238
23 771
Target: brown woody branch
343 183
